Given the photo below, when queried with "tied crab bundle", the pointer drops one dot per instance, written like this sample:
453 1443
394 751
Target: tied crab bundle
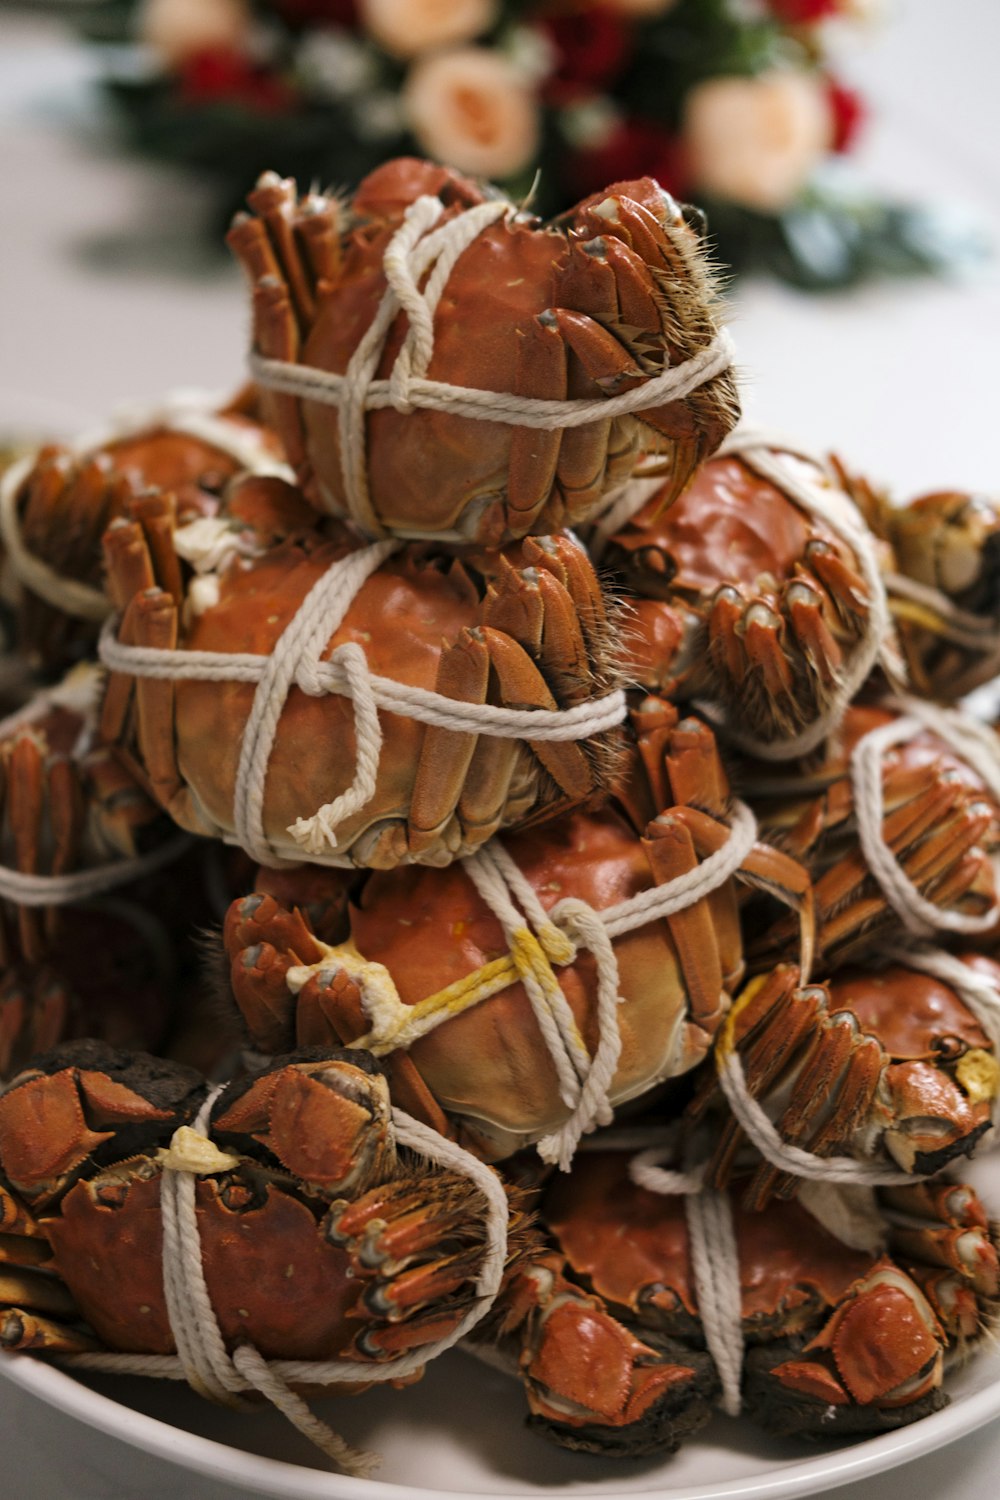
79 954
870 1078
896 821
943 582
55 506
284 686
758 593
289 1231
774 1311
437 362
601 947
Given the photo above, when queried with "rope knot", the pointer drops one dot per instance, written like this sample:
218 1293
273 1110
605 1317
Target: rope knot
192 1151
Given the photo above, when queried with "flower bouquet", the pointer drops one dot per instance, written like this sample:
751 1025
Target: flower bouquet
734 104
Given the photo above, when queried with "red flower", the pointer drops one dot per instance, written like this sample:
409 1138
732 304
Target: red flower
805 12
222 74
591 48
847 113
635 148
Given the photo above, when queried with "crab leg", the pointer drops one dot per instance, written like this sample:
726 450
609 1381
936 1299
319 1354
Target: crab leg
671 853
446 754
274 200
25 808
540 371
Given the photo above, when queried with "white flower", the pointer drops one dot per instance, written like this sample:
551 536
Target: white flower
590 123
408 27
336 63
530 53
379 116
756 141
175 29
470 108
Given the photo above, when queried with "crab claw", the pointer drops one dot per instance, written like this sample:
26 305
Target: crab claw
591 1384
326 1118
882 1348
933 1119
54 1117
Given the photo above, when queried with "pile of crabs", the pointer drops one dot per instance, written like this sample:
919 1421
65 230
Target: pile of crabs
492 852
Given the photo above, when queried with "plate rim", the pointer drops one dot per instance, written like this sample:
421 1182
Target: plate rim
278 1478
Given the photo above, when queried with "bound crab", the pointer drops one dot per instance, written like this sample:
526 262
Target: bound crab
596 305
748 591
55 506
939 825
434 1009
321 1238
943 581
838 1340
527 629
891 1067
76 827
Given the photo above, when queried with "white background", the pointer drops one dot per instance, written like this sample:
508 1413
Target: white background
899 378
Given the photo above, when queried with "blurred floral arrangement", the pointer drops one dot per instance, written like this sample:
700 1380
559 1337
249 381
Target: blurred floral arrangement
732 103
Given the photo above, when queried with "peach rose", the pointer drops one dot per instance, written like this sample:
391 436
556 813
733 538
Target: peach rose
471 109
408 27
755 141
174 29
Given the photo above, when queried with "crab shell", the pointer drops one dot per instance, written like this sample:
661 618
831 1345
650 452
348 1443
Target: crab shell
315 1241
487 1068
68 500
940 820
741 596
839 1338
533 633
591 305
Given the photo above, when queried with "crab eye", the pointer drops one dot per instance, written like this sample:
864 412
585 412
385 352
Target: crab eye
695 218
655 560
949 1048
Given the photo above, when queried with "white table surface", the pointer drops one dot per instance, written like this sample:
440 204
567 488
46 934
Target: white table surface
898 377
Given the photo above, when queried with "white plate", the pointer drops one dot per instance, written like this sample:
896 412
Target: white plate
459 1433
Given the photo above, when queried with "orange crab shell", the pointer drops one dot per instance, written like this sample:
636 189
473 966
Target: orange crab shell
489 1066
272 1278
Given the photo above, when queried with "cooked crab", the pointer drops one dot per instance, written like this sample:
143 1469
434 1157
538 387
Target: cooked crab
55 506
589 307
434 982
527 629
889 1066
838 1340
743 597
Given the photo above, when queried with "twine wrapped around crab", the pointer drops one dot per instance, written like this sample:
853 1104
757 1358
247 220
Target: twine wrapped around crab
288 635
55 506
436 362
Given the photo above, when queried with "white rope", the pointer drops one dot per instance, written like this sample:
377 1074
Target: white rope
183 414
202 1358
961 626
788 1158
417 250
715 1261
81 885
974 743
295 661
